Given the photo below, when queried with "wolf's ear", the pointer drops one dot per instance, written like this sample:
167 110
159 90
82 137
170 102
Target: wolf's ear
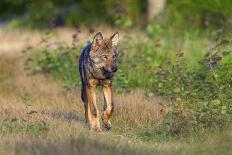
97 39
114 38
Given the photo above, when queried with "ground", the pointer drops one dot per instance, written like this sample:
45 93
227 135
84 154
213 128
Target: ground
38 117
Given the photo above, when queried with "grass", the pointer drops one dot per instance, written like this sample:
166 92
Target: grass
39 117
35 111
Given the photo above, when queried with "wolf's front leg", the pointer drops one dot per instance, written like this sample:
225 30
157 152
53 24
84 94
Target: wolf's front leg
108 103
93 113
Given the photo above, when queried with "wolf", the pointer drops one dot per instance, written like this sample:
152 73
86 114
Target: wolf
97 65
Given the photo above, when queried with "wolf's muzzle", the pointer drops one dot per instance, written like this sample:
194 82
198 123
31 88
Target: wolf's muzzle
114 69
110 69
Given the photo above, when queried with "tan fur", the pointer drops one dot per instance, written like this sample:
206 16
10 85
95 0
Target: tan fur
97 65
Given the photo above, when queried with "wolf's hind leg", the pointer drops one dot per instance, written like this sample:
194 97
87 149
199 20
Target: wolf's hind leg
87 109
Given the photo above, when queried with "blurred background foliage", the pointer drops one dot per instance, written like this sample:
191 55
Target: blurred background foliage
126 13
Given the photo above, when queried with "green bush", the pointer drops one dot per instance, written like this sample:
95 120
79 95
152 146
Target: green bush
71 13
200 97
182 14
60 62
198 87
196 13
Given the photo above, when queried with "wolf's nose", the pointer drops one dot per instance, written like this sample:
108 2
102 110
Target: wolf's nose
114 69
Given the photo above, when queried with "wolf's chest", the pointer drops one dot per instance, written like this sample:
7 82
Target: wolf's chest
97 73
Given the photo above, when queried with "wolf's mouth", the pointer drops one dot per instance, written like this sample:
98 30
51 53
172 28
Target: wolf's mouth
111 71
107 73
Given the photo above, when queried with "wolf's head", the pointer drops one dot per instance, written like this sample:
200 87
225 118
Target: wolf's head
103 52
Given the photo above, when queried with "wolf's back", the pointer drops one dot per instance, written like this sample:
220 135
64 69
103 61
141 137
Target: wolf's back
83 61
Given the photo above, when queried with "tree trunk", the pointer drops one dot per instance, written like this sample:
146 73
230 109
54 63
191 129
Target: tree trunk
155 7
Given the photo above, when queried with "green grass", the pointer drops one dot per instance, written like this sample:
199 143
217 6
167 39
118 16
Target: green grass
42 113
195 80
16 126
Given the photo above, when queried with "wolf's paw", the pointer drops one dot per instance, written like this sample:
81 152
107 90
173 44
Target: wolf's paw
96 129
107 125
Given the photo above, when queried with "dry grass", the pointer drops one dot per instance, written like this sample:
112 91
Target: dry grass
42 94
38 117
29 100
135 109
13 42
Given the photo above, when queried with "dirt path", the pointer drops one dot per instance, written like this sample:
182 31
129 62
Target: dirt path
14 41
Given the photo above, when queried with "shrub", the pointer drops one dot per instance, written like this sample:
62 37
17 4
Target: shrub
200 94
60 62
197 13
200 97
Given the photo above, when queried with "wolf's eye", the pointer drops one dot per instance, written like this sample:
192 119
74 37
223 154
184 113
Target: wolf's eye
104 57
